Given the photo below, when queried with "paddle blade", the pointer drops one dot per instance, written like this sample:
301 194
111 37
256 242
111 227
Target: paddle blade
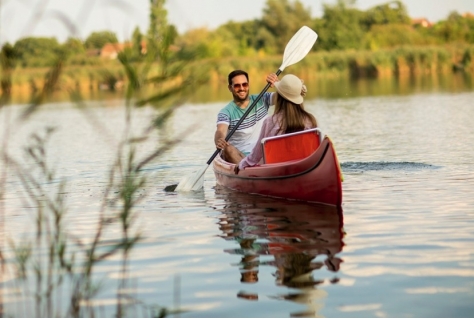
193 182
299 46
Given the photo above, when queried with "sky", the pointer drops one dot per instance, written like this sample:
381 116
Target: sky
79 18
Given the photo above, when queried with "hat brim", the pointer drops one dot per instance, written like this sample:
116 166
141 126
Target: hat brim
295 99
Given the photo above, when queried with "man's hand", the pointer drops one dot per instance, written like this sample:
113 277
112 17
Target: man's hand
219 136
221 143
272 78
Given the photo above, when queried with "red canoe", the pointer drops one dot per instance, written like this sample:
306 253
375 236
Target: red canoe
314 177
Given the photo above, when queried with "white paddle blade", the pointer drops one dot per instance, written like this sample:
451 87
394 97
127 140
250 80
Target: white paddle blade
299 46
193 182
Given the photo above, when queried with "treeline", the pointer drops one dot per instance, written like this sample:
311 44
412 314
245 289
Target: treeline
342 27
43 52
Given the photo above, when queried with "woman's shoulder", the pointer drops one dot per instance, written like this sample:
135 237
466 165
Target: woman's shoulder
308 123
269 119
270 125
276 117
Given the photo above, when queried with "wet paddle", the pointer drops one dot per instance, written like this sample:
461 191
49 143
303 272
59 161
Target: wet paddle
296 49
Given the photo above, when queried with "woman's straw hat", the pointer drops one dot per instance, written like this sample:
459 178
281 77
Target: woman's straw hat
291 88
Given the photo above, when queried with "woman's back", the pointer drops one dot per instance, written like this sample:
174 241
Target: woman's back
274 125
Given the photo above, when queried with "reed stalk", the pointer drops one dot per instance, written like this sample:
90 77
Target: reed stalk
53 271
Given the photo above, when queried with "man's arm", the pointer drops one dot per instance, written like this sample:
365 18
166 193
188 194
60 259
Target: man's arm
219 137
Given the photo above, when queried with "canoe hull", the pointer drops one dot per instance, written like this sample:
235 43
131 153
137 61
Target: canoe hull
316 178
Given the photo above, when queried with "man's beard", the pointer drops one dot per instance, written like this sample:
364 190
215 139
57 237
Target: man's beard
238 98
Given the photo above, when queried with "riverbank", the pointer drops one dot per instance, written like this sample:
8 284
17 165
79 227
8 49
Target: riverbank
109 79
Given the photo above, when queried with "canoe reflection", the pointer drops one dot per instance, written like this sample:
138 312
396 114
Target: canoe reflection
286 235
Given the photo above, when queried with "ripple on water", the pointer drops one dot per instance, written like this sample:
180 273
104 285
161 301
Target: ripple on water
386 166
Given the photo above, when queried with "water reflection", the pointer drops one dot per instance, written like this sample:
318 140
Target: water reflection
295 238
342 86
319 86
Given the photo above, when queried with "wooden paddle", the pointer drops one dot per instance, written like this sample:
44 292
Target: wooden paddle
296 49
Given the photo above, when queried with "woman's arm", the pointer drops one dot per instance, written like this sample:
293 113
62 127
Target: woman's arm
257 153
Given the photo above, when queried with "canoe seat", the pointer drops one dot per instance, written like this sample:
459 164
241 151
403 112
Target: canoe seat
290 147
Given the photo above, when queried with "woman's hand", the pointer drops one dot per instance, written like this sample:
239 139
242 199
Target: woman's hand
236 169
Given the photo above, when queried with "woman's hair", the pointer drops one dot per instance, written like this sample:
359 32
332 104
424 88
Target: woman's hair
294 116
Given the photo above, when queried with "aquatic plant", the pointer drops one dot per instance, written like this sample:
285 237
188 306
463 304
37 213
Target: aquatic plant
55 273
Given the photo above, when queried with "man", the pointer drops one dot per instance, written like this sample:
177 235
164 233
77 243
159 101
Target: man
246 136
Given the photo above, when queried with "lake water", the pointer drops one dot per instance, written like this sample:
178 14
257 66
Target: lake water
401 246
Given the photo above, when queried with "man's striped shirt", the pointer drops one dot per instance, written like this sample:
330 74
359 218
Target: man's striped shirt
246 135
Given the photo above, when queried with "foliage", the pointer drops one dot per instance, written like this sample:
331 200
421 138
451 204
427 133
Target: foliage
55 273
8 59
341 29
455 29
158 21
96 40
161 35
244 36
57 262
390 13
73 46
282 19
391 36
202 44
37 52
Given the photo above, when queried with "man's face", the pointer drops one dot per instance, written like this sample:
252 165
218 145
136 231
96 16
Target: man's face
239 88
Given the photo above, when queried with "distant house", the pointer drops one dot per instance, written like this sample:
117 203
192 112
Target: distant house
111 50
468 15
421 22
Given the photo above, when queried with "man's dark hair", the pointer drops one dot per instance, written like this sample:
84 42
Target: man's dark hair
234 73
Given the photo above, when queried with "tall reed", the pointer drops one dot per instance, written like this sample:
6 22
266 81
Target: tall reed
54 273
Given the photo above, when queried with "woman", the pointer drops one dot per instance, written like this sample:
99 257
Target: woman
289 115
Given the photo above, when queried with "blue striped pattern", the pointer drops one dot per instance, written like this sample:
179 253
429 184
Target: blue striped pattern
231 113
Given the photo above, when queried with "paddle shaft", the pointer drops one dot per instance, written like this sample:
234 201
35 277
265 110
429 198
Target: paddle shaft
242 118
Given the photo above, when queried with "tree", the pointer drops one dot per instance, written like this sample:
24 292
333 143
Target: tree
37 52
98 39
341 27
318 25
455 28
266 41
390 13
202 43
283 18
73 46
245 34
7 65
